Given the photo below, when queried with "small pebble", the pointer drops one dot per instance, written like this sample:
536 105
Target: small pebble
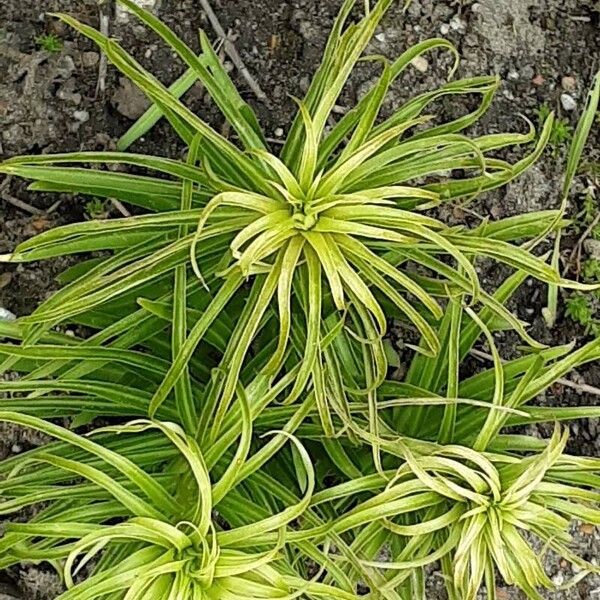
568 83
90 59
129 100
587 529
65 67
5 279
6 315
68 96
380 37
279 132
471 40
123 14
568 102
16 449
445 29
476 7
558 579
513 75
304 83
457 24
592 247
83 116
526 72
538 80
420 63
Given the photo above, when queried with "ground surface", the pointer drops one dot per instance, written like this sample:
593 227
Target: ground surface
49 103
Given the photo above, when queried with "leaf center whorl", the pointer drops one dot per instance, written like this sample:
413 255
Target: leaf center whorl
303 221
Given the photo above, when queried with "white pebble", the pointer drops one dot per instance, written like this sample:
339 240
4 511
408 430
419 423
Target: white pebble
458 24
420 63
6 315
558 579
568 102
279 132
513 75
445 29
83 116
122 14
380 37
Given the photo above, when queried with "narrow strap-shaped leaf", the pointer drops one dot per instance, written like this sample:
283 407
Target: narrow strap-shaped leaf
184 398
312 311
430 339
231 285
147 121
360 39
190 451
290 260
42 352
146 483
118 578
446 434
486 86
147 192
308 163
222 487
334 179
581 135
489 181
129 500
155 163
224 82
368 117
321 244
247 330
242 534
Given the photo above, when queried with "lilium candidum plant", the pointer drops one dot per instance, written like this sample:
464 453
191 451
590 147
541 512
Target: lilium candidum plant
165 544
332 222
233 335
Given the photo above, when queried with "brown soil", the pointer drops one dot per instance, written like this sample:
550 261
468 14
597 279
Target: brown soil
48 103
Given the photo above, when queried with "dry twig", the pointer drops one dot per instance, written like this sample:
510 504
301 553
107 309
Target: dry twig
232 52
32 210
575 256
120 207
103 64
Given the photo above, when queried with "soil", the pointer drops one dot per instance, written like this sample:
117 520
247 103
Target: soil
49 103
